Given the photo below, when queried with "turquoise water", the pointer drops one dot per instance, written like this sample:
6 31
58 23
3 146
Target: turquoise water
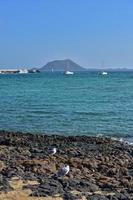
83 103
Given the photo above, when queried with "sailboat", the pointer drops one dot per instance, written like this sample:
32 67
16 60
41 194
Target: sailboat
67 72
103 72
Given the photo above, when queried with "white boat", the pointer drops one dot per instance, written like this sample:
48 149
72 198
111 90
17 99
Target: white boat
104 73
9 71
68 73
23 71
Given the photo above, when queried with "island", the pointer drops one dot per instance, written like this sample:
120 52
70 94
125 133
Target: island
62 65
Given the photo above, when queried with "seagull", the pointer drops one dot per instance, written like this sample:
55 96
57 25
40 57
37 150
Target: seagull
63 171
52 151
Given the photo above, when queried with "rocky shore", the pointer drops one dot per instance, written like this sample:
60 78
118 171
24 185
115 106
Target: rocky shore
100 168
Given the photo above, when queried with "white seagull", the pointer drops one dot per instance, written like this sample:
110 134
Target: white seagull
63 171
52 151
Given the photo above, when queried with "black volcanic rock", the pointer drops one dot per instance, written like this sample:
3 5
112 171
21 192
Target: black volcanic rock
100 168
62 65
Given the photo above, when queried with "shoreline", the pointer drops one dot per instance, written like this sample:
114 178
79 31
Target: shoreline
99 166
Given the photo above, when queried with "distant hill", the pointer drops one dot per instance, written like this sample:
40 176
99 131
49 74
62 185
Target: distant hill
62 65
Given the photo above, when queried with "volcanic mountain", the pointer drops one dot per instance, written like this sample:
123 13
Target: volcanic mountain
62 65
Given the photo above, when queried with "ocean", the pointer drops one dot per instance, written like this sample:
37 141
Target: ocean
84 103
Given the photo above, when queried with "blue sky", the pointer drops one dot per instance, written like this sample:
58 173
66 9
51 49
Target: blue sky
90 32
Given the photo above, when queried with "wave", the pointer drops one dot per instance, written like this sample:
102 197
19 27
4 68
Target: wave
123 140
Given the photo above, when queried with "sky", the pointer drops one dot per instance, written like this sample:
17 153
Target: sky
93 33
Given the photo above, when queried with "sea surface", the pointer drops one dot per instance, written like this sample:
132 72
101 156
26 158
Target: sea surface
84 103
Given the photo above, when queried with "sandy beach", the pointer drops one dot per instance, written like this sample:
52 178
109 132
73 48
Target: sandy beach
100 168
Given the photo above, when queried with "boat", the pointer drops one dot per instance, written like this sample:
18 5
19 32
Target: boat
103 68
68 73
23 71
33 71
104 73
9 71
